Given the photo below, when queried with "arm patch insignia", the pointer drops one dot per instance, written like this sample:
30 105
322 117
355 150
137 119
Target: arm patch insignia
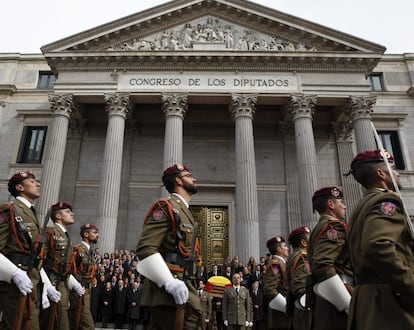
157 214
388 208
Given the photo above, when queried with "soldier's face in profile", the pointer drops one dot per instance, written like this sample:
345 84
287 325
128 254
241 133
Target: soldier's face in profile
189 183
339 208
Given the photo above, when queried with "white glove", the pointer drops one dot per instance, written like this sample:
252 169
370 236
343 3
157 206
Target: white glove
52 293
251 324
79 290
226 323
178 290
45 300
22 281
246 324
74 285
206 320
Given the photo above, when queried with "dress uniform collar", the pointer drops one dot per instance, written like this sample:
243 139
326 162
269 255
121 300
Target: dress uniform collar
64 230
24 201
86 244
181 199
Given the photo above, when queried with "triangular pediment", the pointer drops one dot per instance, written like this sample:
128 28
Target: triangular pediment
212 35
221 24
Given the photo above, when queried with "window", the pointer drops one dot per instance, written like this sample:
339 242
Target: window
377 82
46 80
31 144
391 143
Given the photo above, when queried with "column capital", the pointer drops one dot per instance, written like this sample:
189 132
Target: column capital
174 104
342 131
117 104
302 106
62 104
360 107
243 105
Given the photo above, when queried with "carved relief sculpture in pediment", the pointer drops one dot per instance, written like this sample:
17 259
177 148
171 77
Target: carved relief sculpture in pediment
210 33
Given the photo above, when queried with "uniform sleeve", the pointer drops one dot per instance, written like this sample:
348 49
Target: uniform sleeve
326 251
299 275
153 233
387 248
4 229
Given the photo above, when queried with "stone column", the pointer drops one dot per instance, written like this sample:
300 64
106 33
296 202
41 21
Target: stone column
174 107
117 106
302 108
62 107
351 189
360 111
242 109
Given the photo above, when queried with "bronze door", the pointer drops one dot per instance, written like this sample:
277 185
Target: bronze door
213 234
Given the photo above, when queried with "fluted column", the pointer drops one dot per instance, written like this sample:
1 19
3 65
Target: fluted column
174 107
302 108
117 106
242 109
360 111
62 107
351 189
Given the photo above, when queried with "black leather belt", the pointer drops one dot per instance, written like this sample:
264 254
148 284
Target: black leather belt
22 261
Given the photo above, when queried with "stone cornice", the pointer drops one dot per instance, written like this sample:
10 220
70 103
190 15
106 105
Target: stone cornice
213 60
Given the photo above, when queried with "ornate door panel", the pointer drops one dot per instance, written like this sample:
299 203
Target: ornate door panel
213 234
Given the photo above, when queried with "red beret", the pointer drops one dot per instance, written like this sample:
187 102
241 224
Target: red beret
333 192
60 206
18 178
173 170
299 231
88 226
371 156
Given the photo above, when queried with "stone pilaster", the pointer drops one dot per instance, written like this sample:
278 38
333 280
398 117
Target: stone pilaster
242 109
117 106
302 108
351 189
360 109
62 107
174 107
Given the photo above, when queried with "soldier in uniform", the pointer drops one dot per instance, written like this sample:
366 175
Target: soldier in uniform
59 264
298 270
21 276
167 241
80 311
276 283
237 306
206 301
328 256
381 249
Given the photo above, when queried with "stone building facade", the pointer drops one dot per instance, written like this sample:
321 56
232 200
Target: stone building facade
264 108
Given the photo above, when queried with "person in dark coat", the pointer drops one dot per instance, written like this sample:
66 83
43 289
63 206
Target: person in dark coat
106 303
257 304
120 304
133 298
96 291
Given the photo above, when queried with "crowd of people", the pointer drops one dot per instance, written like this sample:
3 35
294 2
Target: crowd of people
339 275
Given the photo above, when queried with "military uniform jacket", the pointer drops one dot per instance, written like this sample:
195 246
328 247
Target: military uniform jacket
237 306
13 243
206 305
328 256
381 253
59 260
85 264
275 282
159 235
298 269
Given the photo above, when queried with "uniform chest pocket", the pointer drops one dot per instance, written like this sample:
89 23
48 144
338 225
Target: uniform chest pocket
186 231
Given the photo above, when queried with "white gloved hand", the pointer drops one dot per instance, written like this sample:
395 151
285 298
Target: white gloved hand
45 300
246 324
206 320
251 324
178 290
22 281
226 323
79 290
52 293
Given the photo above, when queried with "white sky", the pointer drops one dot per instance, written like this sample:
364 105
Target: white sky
27 25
